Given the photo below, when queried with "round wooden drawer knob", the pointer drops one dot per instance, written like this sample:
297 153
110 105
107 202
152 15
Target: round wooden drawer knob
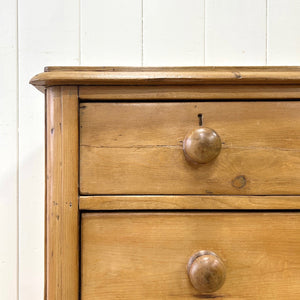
202 145
206 271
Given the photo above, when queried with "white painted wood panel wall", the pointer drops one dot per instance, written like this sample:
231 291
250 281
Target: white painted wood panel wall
35 33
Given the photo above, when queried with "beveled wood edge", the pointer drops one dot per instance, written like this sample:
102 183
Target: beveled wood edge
166 76
188 202
189 92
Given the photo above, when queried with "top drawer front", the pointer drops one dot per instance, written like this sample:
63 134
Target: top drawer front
136 148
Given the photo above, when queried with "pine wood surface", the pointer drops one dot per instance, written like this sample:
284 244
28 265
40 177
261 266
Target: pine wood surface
62 218
166 76
136 148
145 256
185 92
159 202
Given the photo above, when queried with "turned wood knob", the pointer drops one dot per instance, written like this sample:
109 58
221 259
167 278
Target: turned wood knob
206 271
202 145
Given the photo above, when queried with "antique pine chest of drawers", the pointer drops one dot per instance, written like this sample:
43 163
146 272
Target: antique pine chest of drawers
172 183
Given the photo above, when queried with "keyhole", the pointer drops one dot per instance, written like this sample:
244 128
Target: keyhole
200 119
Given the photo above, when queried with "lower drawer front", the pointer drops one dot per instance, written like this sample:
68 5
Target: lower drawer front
145 255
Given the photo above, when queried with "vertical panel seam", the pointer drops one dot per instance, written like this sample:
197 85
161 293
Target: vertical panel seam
267 29
18 149
204 38
142 21
79 32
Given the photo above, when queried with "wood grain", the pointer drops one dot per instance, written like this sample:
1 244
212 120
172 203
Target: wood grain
145 256
260 152
143 202
186 92
62 219
202 145
173 76
206 271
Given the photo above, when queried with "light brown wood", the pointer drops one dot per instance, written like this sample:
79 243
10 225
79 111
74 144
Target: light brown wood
62 218
166 76
185 92
144 256
138 202
136 148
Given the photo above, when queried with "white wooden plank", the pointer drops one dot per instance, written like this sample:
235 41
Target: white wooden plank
173 32
48 35
235 32
283 32
111 32
8 152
